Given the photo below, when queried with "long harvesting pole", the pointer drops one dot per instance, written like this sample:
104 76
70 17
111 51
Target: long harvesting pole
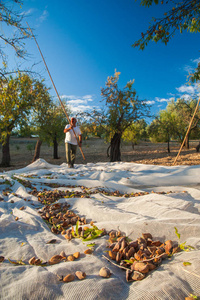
187 131
55 88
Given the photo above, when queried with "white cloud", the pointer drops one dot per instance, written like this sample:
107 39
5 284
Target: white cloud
88 97
76 101
190 68
28 12
44 16
79 103
186 89
196 61
157 99
150 102
189 89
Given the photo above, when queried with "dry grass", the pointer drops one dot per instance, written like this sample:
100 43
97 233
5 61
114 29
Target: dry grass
95 150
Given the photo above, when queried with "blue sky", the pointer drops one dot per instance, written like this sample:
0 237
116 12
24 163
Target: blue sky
83 42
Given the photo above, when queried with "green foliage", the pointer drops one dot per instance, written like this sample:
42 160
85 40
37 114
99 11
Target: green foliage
162 127
16 101
173 122
123 105
12 17
89 234
20 97
183 246
179 15
135 132
30 147
186 263
194 296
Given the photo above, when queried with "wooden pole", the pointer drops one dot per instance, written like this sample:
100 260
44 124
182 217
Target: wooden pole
55 88
187 132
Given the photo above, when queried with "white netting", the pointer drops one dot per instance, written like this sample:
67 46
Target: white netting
155 212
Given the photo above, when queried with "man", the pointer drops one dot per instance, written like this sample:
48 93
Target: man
71 141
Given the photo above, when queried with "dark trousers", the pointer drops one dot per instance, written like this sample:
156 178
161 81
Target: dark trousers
70 153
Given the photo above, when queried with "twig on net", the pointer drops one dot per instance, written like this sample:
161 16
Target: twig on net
191 273
115 264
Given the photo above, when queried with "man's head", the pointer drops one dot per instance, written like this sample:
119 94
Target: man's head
73 121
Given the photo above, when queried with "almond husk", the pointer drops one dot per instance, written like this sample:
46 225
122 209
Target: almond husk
55 259
80 275
88 251
76 254
141 267
105 272
32 261
70 258
112 255
137 276
2 258
69 278
147 236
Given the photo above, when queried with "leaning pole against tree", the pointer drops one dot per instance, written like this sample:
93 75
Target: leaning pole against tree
55 88
187 131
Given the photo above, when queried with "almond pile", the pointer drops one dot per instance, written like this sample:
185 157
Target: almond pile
141 256
60 217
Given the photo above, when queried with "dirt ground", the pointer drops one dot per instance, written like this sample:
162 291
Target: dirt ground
95 150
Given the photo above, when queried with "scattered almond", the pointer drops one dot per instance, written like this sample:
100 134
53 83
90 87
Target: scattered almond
2 258
69 278
76 254
70 258
32 260
80 275
105 272
55 259
88 251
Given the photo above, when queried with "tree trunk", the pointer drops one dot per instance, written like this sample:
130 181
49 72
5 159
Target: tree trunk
187 146
55 148
5 162
133 145
115 154
198 147
168 147
37 150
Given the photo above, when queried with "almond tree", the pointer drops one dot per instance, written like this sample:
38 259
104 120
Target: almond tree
123 108
50 122
163 127
19 96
